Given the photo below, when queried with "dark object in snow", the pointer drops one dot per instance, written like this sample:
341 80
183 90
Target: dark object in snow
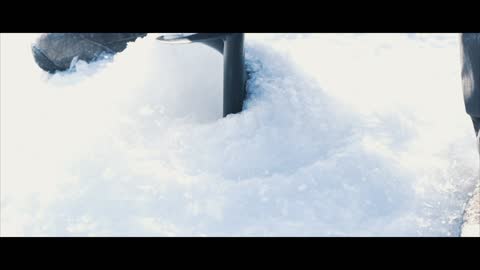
470 44
56 51
231 45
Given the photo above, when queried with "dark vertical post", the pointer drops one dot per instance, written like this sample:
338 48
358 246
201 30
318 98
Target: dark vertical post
233 74
231 45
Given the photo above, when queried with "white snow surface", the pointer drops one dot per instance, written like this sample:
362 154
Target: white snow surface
342 135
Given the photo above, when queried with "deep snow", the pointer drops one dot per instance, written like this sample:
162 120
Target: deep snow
343 135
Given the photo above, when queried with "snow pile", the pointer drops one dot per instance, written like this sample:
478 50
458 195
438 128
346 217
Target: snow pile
343 135
471 217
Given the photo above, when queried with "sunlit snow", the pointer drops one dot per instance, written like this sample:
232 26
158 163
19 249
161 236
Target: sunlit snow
342 135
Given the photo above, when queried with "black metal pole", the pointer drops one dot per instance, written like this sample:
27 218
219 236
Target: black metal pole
231 45
233 74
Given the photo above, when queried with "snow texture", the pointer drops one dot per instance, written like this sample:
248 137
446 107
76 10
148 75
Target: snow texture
342 135
471 217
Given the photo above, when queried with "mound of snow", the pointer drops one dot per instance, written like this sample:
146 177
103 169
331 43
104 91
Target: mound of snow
342 135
